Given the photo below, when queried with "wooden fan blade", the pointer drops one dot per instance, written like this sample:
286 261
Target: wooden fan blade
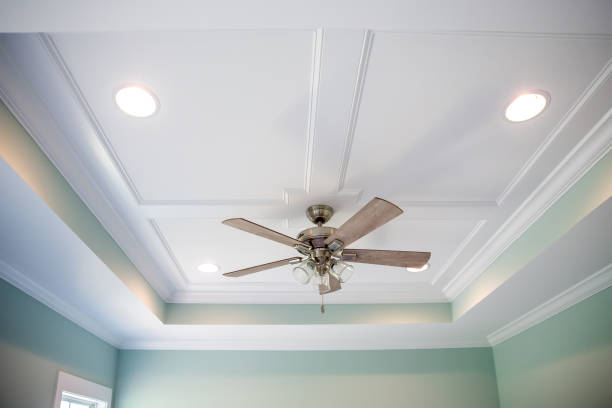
392 258
260 268
248 226
334 285
374 214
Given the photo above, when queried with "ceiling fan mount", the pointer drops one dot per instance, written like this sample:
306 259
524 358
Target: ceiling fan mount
324 248
319 214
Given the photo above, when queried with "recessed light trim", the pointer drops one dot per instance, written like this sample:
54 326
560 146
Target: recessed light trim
208 268
527 106
136 101
421 269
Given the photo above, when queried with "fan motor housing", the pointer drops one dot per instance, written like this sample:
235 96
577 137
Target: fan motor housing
315 236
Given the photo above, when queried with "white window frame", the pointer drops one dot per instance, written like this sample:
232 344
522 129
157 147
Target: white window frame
79 386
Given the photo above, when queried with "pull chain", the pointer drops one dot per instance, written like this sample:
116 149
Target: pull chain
322 305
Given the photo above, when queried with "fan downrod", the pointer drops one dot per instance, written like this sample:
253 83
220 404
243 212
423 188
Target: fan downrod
319 214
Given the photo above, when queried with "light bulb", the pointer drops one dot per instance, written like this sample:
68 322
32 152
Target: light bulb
526 106
136 101
321 283
342 271
421 269
303 272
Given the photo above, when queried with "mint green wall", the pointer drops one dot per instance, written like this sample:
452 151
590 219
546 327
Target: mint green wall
420 378
35 343
565 361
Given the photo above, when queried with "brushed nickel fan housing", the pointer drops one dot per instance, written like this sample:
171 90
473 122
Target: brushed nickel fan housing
315 237
319 214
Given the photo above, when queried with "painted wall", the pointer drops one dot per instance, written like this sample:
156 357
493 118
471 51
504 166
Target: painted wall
419 378
36 342
565 361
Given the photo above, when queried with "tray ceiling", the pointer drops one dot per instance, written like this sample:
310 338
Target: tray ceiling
262 123
266 109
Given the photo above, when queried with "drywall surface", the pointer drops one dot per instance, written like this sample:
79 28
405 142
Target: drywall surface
420 378
36 343
565 361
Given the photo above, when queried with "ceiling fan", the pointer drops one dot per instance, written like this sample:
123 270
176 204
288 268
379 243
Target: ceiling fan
324 251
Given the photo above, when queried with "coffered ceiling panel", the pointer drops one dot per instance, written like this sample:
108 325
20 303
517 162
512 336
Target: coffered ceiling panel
431 124
195 241
233 121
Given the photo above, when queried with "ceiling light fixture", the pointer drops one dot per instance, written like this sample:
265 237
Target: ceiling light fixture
208 268
527 106
421 269
136 101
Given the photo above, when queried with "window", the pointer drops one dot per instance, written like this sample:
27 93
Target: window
76 392
71 400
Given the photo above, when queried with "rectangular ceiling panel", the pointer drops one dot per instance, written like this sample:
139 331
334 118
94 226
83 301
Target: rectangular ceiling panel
431 123
233 116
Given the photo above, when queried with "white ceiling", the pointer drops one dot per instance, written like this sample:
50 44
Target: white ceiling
268 107
262 123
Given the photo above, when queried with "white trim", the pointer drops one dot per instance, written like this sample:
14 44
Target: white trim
592 147
80 386
362 69
317 49
28 286
18 96
468 238
569 115
293 293
588 287
294 344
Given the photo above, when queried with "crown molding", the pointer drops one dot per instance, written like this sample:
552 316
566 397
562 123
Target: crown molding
292 293
582 290
468 238
77 316
295 344
31 112
569 115
592 147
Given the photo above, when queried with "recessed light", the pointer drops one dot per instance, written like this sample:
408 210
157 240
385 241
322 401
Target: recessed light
527 106
208 268
136 101
421 269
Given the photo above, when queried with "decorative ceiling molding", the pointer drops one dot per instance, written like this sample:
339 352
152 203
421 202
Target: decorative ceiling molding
61 65
295 343
77 316
19 97
169 279
317 48
569 115
293 293
457 251
362 69
595 283
171 253
593 146
284 195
